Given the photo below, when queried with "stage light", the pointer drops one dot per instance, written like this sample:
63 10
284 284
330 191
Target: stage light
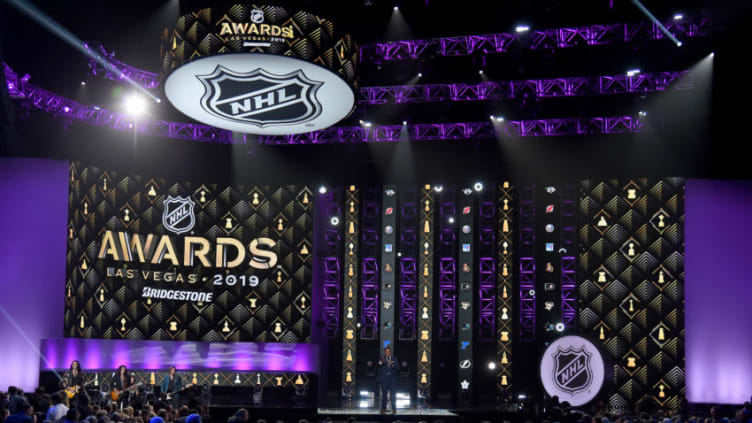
404 123
334 220
712 54
365 123
492 117
322 189
159 100
642 113
678 43
480 72
420 74
358 325
491 365
135 105
450 220
522 28
438 188
678 17
97 108
522 396
560 327
66 109
83 82
396 8
478 186
633 72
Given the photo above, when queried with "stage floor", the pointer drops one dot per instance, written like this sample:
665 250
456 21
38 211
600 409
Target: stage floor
429 412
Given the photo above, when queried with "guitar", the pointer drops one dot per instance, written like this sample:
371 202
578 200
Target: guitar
116 393
72 391
168 395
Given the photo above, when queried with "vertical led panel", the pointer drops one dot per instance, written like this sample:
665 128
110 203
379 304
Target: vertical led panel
465 312
389 249
369 261
631 285
505 275
425 292
350 288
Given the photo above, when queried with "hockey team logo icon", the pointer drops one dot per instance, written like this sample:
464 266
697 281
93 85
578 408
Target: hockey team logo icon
572 372
177 215
260 98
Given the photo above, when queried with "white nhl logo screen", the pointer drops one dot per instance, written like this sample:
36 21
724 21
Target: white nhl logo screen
572 369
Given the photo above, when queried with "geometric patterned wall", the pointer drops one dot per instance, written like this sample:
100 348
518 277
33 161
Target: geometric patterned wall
103 379
631 286
112 307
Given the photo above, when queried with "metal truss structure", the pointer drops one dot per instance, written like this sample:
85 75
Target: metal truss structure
527 263
408 275
540 88
546 39
568 260
447 254
332 269
369 253
146 79
71 110
487 265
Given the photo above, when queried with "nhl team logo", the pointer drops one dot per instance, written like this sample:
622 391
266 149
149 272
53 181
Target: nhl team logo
572 372
177 215
259 97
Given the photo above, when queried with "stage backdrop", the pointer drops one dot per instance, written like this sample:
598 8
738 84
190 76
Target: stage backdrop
719 294
32 263
160 259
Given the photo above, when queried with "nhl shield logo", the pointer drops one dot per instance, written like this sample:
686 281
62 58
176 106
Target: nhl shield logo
257 16
572 372
177 215
260 98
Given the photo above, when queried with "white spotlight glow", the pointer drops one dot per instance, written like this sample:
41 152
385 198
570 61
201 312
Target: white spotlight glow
450 220
83 82
420 74
367 124
135 105
334 220
322 189
478 186
438 188
678 17
642 113
560 327
678 43
480 72
491 365
522 28
633 72
404 123
712 54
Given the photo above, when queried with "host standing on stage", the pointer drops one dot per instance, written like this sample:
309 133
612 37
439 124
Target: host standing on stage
387 378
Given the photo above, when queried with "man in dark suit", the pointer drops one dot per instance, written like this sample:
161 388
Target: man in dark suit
387 378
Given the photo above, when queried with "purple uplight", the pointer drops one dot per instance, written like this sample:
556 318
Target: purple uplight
717 291
156 355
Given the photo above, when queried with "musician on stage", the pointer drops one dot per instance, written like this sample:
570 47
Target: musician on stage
121 381
171 384
73 381
387 378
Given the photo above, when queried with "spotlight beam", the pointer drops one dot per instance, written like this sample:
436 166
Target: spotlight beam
48 23
650 16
